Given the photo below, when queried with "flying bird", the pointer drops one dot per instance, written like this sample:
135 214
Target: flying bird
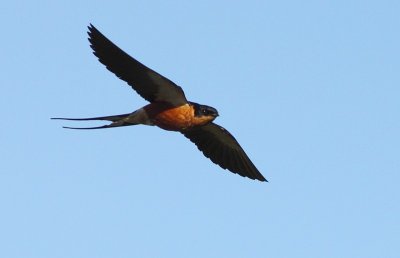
168 109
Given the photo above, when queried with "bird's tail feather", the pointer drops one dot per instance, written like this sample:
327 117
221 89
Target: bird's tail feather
117 121
107 118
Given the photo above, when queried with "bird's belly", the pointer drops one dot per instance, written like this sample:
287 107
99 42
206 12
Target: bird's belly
174 119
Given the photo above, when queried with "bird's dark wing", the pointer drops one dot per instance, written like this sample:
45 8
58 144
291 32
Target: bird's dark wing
221 147
147 83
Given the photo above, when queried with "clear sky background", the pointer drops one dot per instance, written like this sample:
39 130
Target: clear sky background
311 89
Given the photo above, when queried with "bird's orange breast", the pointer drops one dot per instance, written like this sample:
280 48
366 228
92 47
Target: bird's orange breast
174 118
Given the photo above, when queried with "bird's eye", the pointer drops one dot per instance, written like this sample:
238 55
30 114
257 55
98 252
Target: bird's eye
204 111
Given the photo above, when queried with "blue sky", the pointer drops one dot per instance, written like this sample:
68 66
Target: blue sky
309 88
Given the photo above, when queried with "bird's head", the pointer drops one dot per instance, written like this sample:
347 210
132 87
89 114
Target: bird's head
204 113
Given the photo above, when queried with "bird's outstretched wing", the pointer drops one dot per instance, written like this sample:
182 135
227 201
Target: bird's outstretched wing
221 147
149 84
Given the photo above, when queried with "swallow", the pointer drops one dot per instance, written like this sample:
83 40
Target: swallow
168 109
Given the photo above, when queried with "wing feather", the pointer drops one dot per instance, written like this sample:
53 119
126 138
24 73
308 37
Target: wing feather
222 148
147 83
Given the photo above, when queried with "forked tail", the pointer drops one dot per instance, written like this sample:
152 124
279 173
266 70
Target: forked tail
117 120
